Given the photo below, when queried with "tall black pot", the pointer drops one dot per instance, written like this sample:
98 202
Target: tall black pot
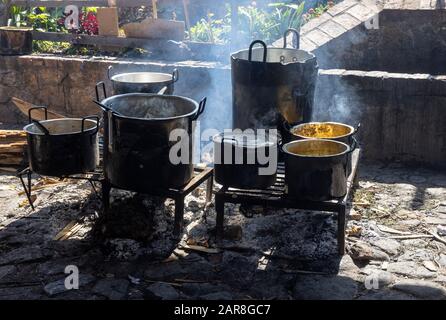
272 85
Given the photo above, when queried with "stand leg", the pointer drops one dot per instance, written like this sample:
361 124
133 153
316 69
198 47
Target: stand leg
27 187
341 229
209 189
179 215
106 188
220 209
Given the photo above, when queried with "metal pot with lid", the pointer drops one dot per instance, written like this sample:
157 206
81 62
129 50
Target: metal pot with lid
245 161
272 85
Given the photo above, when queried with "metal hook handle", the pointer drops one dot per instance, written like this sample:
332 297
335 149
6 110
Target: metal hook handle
354 146
201 108
30 110
109 70
41 127
358 127
296 32
98 87
265 49
90 118
175 75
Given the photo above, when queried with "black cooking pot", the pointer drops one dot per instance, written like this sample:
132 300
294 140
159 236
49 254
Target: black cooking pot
245 161
142 82
62 147
137 144
316 169
272 85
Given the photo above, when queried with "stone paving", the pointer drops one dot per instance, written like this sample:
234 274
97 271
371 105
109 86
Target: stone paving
284 254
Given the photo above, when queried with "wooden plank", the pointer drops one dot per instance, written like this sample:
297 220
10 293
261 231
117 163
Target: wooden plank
38 114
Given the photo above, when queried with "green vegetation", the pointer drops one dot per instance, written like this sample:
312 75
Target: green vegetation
268 23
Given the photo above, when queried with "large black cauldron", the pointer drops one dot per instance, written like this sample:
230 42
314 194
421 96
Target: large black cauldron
272 85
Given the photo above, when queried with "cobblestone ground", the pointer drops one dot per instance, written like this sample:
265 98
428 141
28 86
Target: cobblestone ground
286 254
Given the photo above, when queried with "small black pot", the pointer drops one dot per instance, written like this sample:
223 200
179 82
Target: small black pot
316 169
63 147
238 162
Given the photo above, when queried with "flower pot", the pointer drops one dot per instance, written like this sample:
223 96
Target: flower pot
15 41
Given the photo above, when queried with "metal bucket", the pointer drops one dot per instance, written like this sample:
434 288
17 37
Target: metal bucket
272 85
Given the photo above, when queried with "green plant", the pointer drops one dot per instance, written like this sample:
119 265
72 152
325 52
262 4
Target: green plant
254 22
42 19
287 15
209 30
41 46
18 16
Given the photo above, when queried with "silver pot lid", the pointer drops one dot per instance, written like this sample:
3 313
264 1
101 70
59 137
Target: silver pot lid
247 140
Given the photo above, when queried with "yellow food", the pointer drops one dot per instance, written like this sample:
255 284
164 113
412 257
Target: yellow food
321 130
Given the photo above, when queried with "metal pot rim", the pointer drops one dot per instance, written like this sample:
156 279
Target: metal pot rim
352 130
154 95
311 56
116 76
218 138
28 131
346 151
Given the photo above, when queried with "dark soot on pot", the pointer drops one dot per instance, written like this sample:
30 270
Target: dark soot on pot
155 107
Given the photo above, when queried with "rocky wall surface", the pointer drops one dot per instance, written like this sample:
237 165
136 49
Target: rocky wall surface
402 115
66 84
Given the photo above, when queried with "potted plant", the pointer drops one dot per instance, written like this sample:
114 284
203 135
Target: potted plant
15 38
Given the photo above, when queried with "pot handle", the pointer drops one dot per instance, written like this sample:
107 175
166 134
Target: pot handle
175 75
201 108
296 32
265 49
30 111
98 87
91 118
358 127
41 127
109 70
354 146
231 139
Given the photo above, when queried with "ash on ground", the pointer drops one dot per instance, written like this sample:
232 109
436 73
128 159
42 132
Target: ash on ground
396 244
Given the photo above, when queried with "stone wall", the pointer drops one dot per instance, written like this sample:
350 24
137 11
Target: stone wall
406 41
66 85
403 116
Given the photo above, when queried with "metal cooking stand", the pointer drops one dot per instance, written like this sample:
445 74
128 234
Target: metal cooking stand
91 177
276 196
178 195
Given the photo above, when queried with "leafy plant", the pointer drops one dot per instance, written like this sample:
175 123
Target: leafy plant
18 16
210 30
42 19
287 15
267 24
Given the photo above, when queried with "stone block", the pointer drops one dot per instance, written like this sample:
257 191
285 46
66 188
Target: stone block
332 28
